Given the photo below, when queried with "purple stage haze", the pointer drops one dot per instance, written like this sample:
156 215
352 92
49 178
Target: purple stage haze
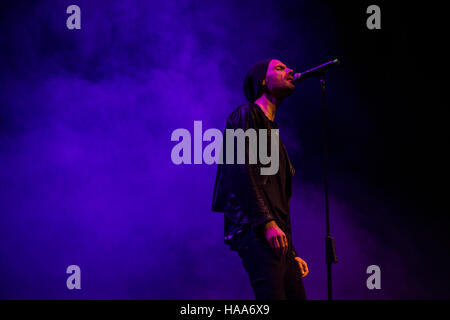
86 174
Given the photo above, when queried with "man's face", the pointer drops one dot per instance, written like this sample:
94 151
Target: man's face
279 79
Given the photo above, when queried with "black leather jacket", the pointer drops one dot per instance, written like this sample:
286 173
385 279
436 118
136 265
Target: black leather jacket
240 191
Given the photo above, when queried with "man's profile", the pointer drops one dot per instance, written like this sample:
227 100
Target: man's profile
255 206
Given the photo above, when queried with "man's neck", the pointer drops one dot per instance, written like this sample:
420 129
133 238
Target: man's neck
268 105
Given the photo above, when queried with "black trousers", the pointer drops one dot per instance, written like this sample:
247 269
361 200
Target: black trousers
271 277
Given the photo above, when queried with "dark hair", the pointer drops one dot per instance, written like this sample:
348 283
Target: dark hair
253 80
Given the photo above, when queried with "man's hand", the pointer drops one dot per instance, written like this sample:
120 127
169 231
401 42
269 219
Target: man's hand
303 266
276 237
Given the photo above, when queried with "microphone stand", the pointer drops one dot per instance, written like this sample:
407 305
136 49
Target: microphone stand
330 249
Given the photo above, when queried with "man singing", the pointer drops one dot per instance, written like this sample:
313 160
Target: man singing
256 206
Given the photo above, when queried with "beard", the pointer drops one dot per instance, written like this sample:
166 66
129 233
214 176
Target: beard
283 92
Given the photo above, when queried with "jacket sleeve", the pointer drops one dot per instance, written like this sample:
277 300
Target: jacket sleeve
294 252
248 176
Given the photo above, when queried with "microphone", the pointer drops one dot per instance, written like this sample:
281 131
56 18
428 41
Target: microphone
317 71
